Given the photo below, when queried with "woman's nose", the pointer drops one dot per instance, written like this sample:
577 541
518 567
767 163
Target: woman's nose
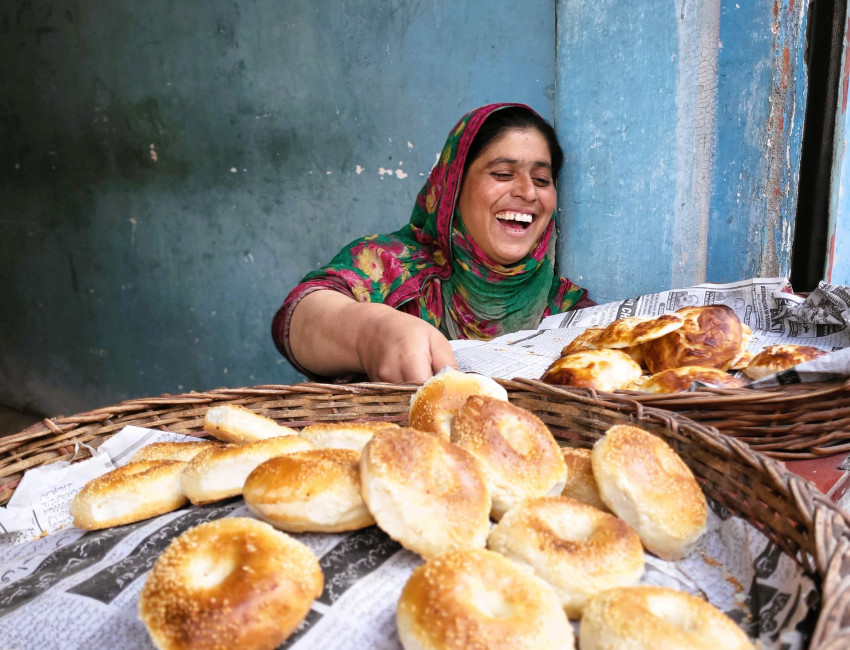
524 187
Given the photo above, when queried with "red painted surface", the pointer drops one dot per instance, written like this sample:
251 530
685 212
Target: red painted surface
824 473
830 258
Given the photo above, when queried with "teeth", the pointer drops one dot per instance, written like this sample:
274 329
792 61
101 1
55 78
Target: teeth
514 216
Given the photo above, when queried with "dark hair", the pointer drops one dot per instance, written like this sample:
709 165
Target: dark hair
514 117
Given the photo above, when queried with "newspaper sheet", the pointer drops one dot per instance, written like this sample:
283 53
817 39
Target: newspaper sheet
764 304
63 587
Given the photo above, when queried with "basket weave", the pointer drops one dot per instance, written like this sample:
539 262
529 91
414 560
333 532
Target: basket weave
796 421
787 509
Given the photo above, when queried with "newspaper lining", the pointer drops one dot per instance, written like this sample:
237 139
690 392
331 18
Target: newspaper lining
774 315
83 587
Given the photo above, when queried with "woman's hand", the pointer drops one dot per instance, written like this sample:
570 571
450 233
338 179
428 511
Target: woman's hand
398 347
331 334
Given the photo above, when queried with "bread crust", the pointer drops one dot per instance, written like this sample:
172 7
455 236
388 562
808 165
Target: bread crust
644 482
676 380
710 336
605 370
776 358
475 599
229 583
517 452
647 617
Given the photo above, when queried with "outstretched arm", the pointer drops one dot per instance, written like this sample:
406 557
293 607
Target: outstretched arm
331 334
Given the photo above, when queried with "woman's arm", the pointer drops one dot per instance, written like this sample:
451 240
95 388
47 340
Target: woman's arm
331 334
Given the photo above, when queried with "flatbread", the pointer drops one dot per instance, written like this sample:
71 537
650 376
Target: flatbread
634 330
776 358
676 380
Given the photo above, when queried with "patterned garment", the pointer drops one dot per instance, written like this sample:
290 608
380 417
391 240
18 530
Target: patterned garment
432 269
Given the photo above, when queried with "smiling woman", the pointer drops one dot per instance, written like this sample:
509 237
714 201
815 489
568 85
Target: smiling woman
477 260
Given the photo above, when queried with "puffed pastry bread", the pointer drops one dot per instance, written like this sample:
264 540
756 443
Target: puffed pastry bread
634 330
710 336
676 380
605 370
644 482
776 358
516 450
220 473
129 493
434 405
232 423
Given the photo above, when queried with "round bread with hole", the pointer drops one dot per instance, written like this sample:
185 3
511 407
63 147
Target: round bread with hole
644 482
220 473
229 583
647 617
343 435
425 492
479 599
315 491
237 424
184 451
434 405
130 493
580 483
518 453
577 549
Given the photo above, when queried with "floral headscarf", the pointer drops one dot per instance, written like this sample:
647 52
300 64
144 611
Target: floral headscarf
431 268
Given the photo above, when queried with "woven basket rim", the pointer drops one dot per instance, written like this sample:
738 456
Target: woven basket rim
827 525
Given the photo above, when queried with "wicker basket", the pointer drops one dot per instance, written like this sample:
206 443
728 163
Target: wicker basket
787 509
796 421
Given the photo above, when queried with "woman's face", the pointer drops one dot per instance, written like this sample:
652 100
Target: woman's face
508 195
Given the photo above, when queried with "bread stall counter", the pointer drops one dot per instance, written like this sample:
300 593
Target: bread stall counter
319 516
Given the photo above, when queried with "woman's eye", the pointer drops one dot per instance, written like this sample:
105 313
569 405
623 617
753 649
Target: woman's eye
542 182
502 176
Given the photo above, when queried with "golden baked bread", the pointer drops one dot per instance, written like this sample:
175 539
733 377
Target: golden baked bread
580 483
575 548
634 330
710 336
220 473
518 453
425 492
232 423
315 491
604 370
776 358
744 355
647 617
343 435
644 482
229 583
676 380
184 451
435 404
466 600
584 341
129 493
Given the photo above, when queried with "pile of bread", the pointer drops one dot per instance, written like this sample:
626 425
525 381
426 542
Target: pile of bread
571 527
667 353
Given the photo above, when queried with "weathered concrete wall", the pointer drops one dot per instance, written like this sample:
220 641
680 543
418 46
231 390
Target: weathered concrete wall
683 142
168 171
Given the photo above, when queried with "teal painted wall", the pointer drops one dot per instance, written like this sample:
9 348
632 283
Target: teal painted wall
683 143
168 171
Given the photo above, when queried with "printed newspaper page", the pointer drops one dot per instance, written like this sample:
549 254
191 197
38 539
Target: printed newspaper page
764 304
78 590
